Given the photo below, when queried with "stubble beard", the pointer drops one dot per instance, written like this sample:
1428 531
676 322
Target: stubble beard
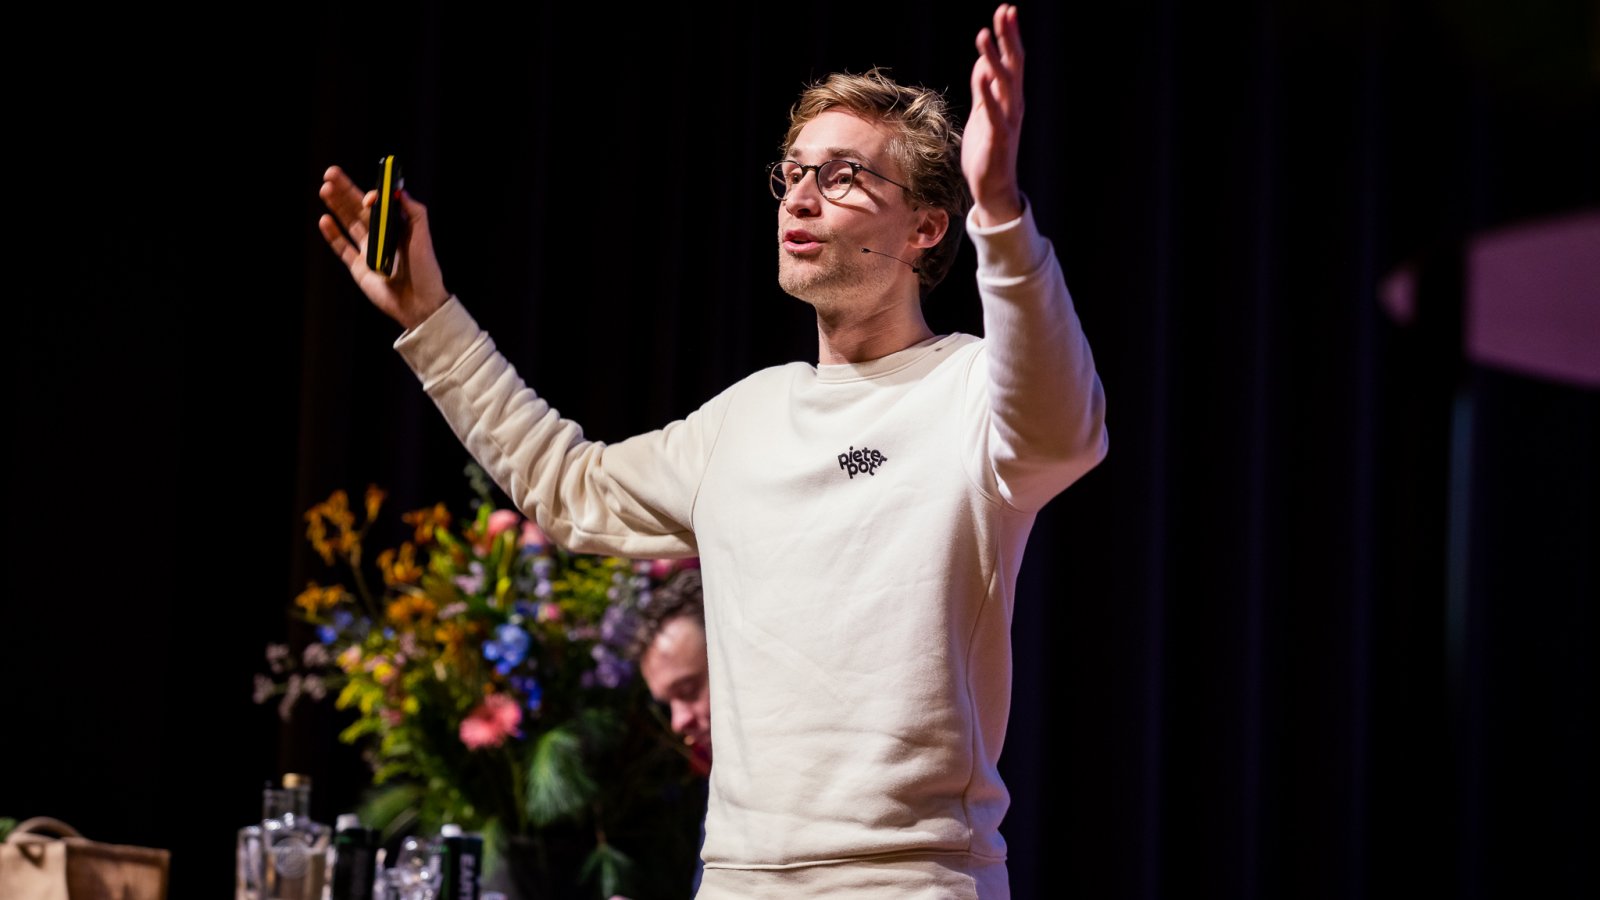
827 283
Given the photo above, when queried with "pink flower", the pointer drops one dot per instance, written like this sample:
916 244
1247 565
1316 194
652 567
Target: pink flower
533 536
660 569
501 519
495 719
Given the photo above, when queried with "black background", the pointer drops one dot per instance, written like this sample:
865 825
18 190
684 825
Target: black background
1322 625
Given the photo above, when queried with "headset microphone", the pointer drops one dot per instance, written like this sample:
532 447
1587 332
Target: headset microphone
895 258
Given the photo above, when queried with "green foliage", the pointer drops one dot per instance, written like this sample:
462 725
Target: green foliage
486 681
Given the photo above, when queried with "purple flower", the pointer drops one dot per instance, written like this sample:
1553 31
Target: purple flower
617 625
315 687
291 693
610 669
278 658
472 582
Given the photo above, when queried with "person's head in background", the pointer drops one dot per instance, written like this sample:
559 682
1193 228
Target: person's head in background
670 646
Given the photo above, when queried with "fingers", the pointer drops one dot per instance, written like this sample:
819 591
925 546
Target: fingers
982 76
989 81
1009 38
340 244
1000 61
345 201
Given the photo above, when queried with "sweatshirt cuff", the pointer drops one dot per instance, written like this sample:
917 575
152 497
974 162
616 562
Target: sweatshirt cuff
437 343
1010 249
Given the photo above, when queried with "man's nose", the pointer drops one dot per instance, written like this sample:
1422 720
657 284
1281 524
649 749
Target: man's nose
804 198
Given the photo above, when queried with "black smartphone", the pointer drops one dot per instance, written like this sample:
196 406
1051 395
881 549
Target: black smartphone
387 223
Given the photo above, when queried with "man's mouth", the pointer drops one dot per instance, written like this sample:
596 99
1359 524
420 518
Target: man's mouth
800 241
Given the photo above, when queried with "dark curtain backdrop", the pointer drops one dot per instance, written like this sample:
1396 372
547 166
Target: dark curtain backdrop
1322 625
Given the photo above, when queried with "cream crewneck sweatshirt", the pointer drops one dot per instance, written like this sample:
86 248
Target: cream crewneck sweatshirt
859 529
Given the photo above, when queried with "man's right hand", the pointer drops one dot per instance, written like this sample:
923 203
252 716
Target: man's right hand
416 289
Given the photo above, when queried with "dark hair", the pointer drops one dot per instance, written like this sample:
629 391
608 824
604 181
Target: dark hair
678 598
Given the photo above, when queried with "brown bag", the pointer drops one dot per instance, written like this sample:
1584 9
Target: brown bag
47 859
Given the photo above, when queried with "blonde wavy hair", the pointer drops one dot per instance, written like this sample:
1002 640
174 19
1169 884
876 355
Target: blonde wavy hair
927 145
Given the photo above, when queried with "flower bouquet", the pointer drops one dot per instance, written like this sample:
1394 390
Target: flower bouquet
483 668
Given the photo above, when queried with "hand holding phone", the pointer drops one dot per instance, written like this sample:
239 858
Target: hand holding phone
387 222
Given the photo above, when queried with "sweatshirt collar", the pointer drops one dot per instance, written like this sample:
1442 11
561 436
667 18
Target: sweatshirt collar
838 373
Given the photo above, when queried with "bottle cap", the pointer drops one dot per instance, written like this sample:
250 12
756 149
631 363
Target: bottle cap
296 779
450 829
346 820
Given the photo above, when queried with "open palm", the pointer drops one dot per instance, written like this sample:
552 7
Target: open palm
994 128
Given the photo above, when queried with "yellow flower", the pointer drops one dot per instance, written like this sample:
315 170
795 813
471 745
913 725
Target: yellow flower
426 520
334 510
455 643
411 609
316 599
317 533
350 659
401 569
375 496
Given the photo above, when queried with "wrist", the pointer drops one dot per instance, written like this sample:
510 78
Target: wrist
422 310
998 209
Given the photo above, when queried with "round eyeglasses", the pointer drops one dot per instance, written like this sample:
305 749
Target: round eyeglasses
834 177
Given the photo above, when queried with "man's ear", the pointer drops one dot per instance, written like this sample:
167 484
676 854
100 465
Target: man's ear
931 226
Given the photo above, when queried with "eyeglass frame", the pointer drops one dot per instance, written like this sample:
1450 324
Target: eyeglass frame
816 170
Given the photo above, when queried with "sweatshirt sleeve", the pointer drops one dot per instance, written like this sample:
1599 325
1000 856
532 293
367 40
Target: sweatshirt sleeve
1045 422
634 498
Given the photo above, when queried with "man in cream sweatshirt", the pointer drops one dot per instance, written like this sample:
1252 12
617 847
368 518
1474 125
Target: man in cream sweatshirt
859 522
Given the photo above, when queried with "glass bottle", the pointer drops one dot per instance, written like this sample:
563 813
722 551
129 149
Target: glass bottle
247 865
294 848
415 874
246 859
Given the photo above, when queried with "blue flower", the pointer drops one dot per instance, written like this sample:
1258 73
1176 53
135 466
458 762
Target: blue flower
530 686
342 620
508 649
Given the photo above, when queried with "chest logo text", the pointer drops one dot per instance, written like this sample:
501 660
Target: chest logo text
863 461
